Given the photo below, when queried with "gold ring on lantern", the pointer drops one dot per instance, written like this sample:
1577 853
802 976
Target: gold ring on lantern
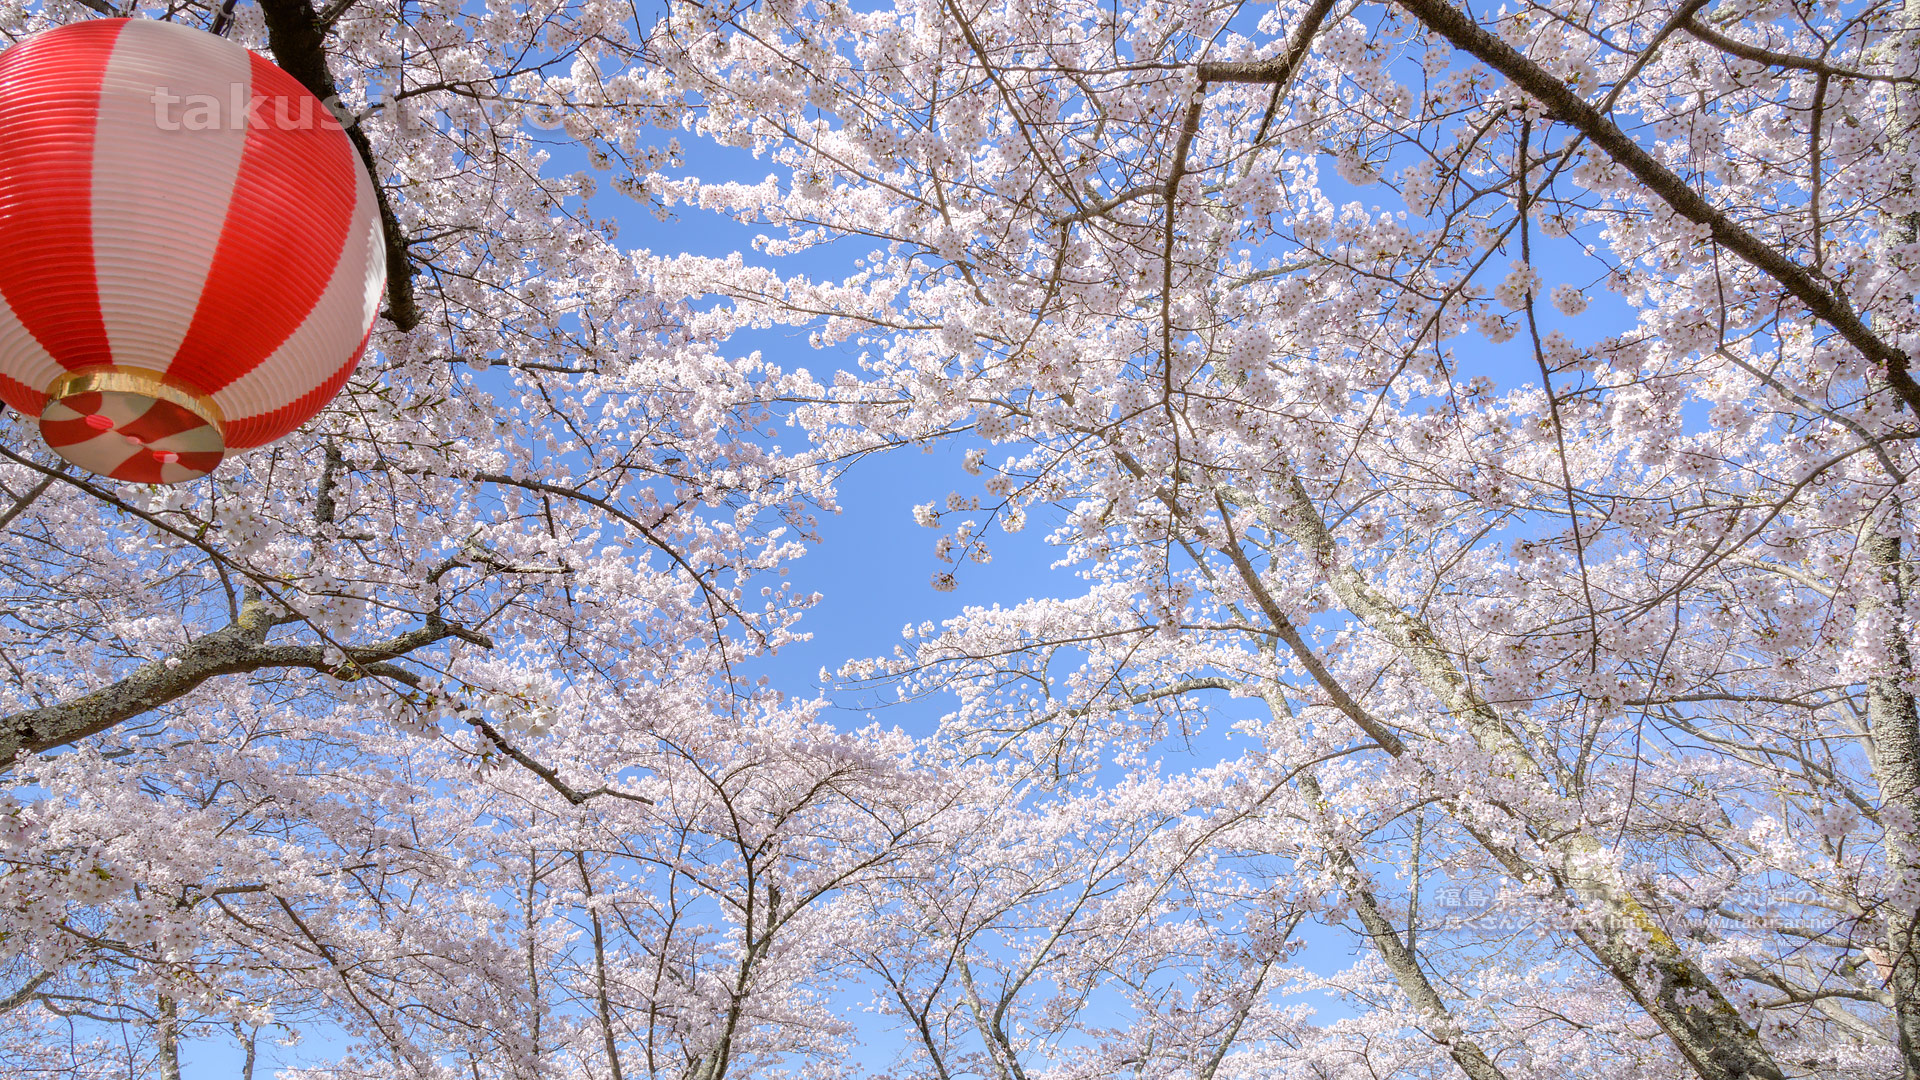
116 378
134 429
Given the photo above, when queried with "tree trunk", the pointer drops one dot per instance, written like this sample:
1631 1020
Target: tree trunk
1400 959
1894 720
168 1037
600 971
1896 766
249 1039
1648 964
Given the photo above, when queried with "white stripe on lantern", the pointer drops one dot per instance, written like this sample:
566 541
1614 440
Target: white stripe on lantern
160 196
27 360
342 313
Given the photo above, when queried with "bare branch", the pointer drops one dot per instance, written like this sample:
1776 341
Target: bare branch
1562 103
234 649
546 772
25 501
25 993
1779 59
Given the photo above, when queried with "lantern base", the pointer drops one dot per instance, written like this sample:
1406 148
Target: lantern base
133 424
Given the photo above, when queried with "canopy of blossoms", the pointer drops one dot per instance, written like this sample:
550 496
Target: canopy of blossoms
1472 443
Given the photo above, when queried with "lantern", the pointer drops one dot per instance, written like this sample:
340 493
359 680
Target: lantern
191 255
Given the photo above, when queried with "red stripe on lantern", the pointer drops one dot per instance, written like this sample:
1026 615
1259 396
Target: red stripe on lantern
26 399
89 402
285 230
67 432
162 418
51 87
141 468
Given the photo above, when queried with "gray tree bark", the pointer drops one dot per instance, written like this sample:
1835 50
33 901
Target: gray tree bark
1619 931
1891 713
1895 731
167 1036
236 648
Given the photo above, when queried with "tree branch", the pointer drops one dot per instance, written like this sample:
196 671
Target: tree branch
1563 104
297 36
1399 958
1779 59
546 772
1682 998
1278 70
236 648
25 501
25 993
1184 686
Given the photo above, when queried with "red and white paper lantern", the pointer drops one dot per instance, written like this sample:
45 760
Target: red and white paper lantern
191 256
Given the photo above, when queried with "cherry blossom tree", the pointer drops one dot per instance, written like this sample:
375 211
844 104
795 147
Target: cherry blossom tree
1636 631
1487 430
